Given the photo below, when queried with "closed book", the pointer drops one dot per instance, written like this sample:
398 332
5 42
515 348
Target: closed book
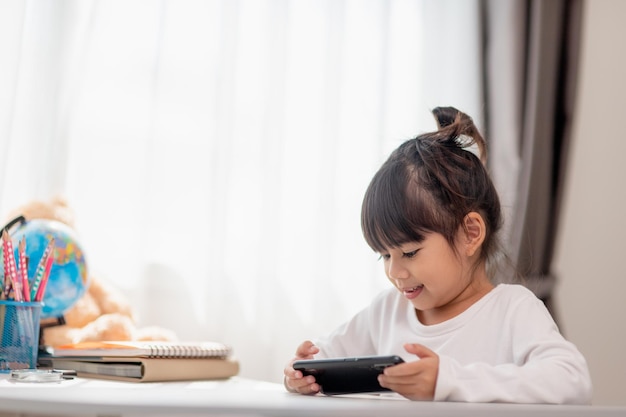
141 369
146 349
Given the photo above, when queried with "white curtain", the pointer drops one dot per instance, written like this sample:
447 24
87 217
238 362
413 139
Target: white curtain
215 153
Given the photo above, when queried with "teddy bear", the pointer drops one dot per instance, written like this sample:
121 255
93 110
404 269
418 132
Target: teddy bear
102 313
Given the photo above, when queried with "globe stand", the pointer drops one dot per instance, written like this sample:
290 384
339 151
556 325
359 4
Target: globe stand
19 219
46 323
44 351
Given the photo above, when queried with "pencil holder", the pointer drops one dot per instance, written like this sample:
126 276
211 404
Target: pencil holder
19 334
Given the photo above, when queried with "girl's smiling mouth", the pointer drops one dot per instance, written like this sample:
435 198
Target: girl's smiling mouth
412 292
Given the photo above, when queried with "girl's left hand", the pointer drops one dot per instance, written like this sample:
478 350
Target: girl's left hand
413 380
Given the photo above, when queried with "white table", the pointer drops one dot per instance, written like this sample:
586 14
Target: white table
238 397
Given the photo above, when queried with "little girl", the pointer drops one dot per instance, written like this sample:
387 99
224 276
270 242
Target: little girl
432 213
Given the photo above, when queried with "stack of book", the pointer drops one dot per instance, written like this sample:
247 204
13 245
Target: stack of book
144 361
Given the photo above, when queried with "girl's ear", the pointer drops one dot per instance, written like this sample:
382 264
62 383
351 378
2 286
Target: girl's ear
475 230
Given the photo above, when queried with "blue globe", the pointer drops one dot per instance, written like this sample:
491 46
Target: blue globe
68 279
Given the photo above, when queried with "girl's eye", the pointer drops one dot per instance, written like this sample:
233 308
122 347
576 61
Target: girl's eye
410 254
384 256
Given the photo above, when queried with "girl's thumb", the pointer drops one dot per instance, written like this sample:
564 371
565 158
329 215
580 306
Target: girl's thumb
420 350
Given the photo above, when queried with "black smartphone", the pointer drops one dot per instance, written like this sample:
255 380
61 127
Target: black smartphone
347 375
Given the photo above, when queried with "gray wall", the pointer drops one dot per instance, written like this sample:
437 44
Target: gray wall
591 249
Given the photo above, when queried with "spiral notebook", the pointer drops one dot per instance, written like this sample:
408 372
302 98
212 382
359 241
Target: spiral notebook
144 349
141 369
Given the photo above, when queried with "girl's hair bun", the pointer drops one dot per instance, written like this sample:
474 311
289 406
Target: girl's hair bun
446 116
457 129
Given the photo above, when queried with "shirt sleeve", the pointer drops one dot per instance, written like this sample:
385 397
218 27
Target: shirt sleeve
546 369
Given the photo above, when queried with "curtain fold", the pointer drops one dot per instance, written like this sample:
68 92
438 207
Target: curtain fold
530 107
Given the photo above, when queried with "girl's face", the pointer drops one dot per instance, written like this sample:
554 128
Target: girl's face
437 281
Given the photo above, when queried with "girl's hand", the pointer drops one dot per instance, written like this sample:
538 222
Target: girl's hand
294 380
413 380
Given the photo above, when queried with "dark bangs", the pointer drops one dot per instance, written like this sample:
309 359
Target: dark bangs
397 210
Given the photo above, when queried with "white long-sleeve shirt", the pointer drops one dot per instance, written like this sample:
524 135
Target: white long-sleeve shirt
504 348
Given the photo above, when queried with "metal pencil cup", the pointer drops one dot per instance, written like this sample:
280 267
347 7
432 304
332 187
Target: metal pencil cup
19 334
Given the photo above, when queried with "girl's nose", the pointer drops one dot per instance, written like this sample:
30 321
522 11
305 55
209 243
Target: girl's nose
395 270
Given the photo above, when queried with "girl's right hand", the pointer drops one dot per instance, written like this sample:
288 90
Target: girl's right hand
294 380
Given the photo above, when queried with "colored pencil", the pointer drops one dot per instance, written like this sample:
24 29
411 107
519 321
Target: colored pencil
6 285
41 267
23 271
10 268
44 280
